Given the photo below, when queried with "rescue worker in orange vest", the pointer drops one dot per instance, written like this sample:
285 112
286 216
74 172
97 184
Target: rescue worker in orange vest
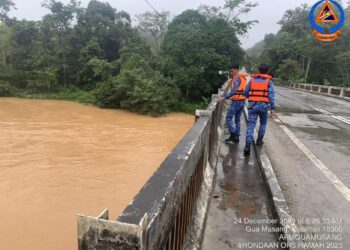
261 96
238 85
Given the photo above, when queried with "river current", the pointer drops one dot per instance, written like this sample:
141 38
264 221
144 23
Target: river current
59 158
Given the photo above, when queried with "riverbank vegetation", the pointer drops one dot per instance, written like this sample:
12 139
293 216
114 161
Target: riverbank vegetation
294 54
97 55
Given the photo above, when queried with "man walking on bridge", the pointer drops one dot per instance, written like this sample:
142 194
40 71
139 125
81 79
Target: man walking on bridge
261 96
238 85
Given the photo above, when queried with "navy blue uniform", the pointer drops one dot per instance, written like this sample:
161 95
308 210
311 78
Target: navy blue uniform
259 109
235 111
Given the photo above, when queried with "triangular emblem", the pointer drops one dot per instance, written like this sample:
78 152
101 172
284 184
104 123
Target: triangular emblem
327 15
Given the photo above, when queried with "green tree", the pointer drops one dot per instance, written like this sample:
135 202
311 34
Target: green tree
102 22
6 89
85 75
5 7
155 24
210 11
138 88
5 48
231 12
101 33
235 9
24 35
196 48
102 69
320 62
289 70
61 18
343 68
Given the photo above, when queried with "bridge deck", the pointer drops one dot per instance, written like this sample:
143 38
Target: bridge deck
239 195
317 188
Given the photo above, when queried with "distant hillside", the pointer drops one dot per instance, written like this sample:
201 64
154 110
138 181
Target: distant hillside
257 49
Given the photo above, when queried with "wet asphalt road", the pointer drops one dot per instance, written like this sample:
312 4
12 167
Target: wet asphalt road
318 122
322 125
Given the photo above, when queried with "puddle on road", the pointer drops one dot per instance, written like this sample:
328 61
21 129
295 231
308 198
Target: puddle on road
58 159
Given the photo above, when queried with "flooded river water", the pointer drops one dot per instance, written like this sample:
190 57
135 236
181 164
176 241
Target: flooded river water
58 159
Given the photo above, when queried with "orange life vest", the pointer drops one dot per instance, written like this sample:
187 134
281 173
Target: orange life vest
238 96
259 91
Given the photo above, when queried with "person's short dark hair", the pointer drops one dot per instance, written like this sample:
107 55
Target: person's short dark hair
263 69
235 67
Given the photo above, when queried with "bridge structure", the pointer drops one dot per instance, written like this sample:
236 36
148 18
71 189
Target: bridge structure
207 195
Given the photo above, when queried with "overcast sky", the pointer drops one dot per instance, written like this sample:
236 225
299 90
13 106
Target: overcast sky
268 13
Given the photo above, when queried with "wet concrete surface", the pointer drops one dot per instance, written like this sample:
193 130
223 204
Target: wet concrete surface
239 195
308 192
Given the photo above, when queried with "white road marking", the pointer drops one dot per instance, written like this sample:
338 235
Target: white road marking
340 118
326 112
338 184
323 111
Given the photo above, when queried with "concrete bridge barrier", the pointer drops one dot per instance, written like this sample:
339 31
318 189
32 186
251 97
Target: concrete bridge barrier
170 210
339 92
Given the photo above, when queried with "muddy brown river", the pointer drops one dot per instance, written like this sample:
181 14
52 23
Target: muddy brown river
58 159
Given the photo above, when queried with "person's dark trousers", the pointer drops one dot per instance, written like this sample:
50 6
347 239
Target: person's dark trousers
233 118
255 110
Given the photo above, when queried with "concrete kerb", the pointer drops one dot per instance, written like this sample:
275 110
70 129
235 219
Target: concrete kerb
280 209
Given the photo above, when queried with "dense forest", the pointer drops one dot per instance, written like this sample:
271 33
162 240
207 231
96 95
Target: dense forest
97 55
295 55
150 64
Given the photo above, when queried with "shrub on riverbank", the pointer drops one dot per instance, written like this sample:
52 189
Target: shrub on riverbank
191 107
69 94
138 88
6 89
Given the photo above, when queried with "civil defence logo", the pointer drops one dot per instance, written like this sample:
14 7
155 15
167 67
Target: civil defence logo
327 17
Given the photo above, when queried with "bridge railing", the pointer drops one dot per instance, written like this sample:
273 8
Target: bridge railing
340 92
170 210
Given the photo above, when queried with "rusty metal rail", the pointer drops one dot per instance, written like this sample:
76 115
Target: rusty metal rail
182 221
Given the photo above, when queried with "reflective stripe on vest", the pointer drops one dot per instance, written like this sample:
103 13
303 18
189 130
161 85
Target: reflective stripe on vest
259 91
238 96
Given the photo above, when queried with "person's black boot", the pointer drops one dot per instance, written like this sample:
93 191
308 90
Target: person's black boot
247 149
236 139
231 138
259 141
